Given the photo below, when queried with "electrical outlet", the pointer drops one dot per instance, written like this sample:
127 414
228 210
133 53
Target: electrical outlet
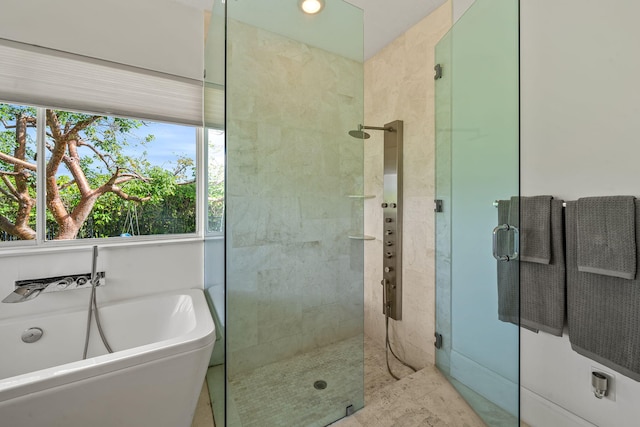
611 383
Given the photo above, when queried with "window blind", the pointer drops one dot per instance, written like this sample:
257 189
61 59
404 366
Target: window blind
50 78
214 106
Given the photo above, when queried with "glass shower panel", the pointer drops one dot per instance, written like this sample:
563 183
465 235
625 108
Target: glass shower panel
294 284
477 163
443 200
214 243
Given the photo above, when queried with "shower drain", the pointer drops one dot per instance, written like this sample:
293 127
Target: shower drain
320 385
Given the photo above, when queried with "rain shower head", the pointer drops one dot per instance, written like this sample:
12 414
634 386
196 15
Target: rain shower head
361 134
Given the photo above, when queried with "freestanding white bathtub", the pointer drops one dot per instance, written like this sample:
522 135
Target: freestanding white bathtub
162 345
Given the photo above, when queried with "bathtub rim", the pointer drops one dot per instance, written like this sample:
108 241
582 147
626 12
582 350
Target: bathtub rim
199 338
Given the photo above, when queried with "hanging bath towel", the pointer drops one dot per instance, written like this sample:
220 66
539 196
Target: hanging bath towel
606 236
603 311
538 288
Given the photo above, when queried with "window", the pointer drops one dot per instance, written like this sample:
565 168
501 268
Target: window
17 172
215 181
105 176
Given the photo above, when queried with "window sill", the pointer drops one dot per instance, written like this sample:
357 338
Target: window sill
87 244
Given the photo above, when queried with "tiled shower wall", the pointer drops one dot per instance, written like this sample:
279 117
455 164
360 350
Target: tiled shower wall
399 85
294 278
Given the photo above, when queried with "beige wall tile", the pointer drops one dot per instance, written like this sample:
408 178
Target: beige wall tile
294 278
399 85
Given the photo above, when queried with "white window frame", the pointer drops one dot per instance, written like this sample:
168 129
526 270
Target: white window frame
37 76
41 244
205 189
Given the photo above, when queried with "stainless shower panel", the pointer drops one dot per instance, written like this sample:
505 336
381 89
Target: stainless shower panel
392 220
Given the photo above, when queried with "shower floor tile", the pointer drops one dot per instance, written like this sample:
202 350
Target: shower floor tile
424 398
283 394
376 376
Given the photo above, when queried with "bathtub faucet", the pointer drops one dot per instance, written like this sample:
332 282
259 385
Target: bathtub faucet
26 290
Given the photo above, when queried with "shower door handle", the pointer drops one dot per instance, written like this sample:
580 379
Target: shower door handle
516 242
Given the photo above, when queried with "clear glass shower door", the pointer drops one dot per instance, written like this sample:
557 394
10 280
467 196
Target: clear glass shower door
477 163
294 187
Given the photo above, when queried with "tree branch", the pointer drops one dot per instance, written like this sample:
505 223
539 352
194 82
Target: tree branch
124 196
10 186
83 124
54 125
67 185
25 232
17 162
7 126
9 195
126 177
112 186
101 156
29 121
73 164
54 202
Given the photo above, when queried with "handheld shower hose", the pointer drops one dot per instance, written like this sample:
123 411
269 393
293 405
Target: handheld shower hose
387 342
93 306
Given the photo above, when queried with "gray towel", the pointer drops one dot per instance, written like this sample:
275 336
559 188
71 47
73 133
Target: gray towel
508 287
606 236
538 289
535 228
543 286
603 311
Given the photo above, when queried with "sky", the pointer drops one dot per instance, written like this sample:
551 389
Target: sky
171 141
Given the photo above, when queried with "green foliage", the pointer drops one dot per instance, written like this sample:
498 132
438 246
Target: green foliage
9 205
215 195
168 193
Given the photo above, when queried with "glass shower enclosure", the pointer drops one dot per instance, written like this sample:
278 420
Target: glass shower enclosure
477 164
294 278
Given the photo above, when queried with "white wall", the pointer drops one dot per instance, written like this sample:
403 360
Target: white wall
580 137
460 7
160 35
131 271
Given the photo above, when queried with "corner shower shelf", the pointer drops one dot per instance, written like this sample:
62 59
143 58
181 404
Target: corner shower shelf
361 196
361 237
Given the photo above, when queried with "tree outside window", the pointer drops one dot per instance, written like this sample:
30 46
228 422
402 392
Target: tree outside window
215 181
105 176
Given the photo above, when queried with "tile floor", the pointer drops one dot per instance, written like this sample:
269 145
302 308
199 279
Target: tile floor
283 394
204 415
418 399
424 398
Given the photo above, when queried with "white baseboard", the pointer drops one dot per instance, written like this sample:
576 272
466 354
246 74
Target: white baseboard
489 384
537 411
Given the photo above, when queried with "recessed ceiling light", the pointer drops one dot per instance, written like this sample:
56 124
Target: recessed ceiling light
311 6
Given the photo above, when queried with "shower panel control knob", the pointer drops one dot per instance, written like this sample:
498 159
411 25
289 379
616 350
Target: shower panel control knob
388 269
393 205
388 232
388 220
388 254
384 205
389 243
